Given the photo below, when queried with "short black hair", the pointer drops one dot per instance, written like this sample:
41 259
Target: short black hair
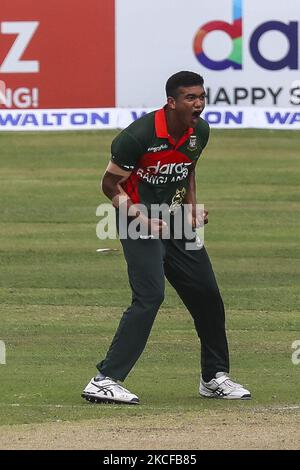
183 78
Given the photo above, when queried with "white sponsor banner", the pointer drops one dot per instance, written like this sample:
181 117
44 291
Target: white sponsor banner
58 119
118 118
233 117
248 51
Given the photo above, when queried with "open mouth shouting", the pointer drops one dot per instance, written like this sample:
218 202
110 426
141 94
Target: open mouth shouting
195 117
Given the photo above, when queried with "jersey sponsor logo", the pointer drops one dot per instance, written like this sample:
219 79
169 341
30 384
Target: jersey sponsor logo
169 168
164 173
157 149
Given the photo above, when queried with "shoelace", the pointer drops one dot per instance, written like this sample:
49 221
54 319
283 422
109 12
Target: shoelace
121 388
230 383
108 387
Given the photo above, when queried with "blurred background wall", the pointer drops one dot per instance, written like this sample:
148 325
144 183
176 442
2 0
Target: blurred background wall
107 53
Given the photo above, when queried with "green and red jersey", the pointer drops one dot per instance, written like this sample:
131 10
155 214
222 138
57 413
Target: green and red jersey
160 167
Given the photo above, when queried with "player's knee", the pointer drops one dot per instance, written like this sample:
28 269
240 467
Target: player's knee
210 292
153 299
157 298
213 294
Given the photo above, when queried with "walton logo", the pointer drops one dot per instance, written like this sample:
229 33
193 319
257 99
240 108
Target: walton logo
235 31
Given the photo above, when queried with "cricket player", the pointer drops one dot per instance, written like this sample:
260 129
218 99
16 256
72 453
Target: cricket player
153 162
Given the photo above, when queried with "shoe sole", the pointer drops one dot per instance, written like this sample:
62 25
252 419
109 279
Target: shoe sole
94 399
245 397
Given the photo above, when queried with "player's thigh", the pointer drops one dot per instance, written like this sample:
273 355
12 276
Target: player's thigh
145 266
191 269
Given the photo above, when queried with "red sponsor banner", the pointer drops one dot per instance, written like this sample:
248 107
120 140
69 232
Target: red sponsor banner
57 54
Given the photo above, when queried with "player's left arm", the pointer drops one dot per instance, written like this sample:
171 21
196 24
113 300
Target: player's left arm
197 218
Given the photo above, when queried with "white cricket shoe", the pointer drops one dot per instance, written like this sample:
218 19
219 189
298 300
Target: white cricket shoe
222 387
108 391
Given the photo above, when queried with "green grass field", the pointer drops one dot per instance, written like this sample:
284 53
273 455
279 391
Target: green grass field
61 300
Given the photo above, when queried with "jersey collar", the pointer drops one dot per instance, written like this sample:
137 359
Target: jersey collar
162 131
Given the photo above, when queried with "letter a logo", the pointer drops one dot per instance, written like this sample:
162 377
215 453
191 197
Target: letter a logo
234 30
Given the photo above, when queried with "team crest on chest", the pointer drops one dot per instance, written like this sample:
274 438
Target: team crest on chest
192 143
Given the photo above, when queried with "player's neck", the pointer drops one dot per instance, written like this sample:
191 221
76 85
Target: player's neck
174 127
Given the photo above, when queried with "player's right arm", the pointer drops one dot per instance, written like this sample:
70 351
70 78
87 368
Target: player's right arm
111 182
126 150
